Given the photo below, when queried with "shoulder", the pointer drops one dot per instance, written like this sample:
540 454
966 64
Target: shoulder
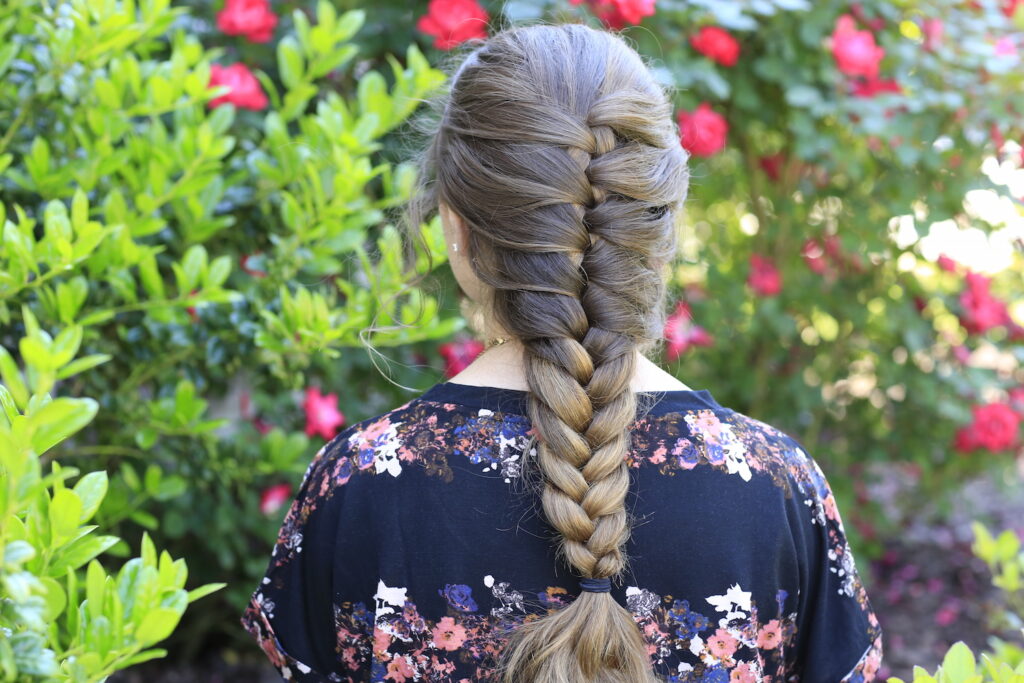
702 433
427 434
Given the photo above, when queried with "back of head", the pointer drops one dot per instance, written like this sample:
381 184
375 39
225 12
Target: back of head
558 150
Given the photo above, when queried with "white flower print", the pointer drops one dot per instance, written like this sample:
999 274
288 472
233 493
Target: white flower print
385 456
735 603
387 599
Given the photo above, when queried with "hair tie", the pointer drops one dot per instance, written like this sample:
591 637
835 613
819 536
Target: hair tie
596 585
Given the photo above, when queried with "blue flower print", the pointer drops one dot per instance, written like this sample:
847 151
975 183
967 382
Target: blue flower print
459 596
715 674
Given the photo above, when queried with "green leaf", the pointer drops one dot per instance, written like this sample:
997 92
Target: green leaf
156 625
59 419
289 62
82 364
203 591
91 489
78 552
194 266
65 511
17 552
959 663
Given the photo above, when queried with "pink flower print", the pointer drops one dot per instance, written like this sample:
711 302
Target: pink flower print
831 511
381 642
708 423
871 664
769 636
376 429
722 644
399 670
742 674
449 635
658 456
439 667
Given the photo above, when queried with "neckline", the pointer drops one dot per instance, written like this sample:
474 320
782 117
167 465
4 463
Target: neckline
500 399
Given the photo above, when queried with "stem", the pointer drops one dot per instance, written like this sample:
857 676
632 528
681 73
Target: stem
15 125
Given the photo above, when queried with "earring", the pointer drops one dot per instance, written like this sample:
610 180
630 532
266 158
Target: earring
455 247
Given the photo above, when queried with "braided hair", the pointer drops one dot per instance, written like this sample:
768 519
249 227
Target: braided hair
558 150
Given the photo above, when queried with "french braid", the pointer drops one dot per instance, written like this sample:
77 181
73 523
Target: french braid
558 150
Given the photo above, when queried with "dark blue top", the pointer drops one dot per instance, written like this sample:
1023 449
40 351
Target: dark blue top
416 543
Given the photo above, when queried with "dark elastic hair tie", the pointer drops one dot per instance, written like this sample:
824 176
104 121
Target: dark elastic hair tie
597 585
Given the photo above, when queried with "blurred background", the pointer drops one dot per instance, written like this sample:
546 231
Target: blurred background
201 211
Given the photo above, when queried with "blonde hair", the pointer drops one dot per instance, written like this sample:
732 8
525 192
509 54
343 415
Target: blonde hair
558 150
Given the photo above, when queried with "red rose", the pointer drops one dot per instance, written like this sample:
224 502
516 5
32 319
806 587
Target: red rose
855 52
274 497
764 277
717 44
772 165
322 414
459 354
192 309
250 18
453 22
681 333
703 131
995 428
245 91
618 14
248 265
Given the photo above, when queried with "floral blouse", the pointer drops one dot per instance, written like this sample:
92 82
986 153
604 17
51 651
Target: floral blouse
415 545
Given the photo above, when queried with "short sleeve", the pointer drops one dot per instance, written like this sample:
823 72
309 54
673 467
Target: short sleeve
838 635
290 614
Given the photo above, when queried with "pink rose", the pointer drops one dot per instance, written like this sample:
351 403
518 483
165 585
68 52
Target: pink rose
717 44
453 22
322 414
244 90
980 311
947 264
855 52
250 18
703 131
764 277
681 333
874 86
933 30
274 497
1005 47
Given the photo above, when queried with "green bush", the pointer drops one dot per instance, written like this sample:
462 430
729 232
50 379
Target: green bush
193 245
60 623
